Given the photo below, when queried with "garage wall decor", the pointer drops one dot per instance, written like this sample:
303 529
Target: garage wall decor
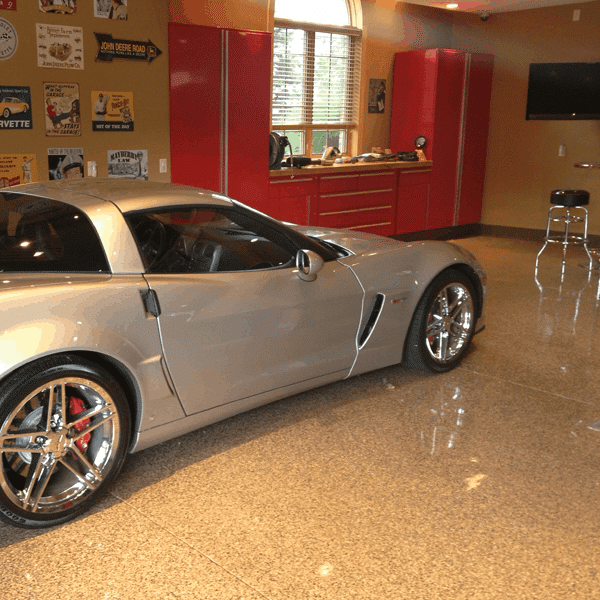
9 40
61 102
68 80
17 168
15 107
59 47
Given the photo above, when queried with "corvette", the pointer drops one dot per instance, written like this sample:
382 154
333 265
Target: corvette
134 312
10 106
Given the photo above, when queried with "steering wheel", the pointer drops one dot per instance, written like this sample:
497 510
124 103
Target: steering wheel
206 256
152 239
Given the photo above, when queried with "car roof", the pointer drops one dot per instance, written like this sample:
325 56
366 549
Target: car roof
127 194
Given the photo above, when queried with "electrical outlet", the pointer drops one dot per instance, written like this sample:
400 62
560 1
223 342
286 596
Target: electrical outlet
562 150
576 14
163 165
92 168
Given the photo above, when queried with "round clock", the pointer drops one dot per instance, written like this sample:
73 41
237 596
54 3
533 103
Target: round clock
420 141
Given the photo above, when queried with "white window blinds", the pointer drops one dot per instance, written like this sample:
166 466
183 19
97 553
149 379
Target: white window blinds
315 77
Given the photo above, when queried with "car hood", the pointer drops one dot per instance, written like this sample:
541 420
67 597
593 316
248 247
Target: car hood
353 241
359 243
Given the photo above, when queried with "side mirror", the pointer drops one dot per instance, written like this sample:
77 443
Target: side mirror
309 263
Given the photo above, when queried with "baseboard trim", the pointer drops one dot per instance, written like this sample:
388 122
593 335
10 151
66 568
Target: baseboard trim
445 233
478 229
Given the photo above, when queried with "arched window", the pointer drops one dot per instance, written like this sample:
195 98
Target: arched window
316 72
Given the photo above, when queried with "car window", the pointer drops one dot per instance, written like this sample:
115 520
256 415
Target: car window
43 235
205 240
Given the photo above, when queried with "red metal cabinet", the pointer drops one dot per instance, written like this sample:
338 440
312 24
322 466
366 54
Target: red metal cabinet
413 200
293 200
445 96
220 82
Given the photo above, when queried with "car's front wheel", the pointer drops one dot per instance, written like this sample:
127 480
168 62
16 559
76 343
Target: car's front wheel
64 433
6 113
443 324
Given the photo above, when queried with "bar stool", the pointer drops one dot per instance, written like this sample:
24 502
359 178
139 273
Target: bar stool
571 206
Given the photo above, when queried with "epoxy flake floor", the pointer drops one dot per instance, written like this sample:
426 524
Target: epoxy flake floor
480 483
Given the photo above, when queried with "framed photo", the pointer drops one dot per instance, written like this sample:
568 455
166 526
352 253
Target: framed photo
377 88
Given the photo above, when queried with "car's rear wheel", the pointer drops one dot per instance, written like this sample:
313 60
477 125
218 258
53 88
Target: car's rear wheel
6 113
443 324
64 433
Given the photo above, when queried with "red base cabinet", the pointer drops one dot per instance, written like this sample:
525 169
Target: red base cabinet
444 95
219 93
413 200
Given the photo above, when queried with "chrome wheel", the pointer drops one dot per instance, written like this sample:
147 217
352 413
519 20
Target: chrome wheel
60 442
443 324
450 322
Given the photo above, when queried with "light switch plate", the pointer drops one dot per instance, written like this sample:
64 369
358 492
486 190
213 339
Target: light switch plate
92 168
163 165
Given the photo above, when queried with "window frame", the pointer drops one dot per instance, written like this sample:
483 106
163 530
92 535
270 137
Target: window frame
355 34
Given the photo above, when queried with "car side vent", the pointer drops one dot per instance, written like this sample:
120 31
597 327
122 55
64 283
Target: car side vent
376 307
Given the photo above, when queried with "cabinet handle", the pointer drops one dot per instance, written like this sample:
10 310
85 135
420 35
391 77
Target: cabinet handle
365 226
415 171
292 180
355 193
377 174
354 210
339 176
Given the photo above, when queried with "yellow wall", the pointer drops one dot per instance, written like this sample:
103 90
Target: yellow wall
149 84
523 165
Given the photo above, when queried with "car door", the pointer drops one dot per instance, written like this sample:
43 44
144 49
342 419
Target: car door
236 320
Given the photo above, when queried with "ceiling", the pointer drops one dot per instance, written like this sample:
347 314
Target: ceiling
496 6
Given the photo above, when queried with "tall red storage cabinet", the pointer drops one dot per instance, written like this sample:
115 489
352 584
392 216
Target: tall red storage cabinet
220 102
444 95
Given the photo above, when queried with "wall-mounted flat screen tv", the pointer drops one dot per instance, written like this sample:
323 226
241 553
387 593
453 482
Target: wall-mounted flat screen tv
563 91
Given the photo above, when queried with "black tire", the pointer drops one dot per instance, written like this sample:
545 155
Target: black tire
53 468
6 113
443 324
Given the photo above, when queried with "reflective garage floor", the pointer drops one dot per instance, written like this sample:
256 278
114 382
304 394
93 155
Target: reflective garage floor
481 483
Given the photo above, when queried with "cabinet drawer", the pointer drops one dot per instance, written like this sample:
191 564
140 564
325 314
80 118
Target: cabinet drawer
414 176
358 218
338 183
299 186
377 180
351 200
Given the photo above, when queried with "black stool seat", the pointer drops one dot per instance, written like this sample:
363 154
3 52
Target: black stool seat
570 197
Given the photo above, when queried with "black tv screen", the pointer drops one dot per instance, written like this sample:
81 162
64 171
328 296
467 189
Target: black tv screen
563 91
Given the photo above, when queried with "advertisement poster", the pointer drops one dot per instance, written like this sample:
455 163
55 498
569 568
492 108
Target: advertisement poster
112 111
61 7
61 104
65 163
59 47
17 168
9 41
111 9
377 95
15 107
8 4
128 164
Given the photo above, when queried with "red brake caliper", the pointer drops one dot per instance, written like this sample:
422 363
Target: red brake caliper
76 407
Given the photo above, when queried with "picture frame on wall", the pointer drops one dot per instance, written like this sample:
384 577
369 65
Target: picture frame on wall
111 9
377 91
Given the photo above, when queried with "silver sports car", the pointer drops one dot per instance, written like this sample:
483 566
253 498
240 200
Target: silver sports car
135 312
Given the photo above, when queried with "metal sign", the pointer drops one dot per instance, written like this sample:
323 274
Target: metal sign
109 48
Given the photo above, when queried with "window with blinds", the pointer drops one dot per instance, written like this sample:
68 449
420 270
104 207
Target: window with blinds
316 72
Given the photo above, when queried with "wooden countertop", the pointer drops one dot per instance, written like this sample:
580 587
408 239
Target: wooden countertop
350 167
